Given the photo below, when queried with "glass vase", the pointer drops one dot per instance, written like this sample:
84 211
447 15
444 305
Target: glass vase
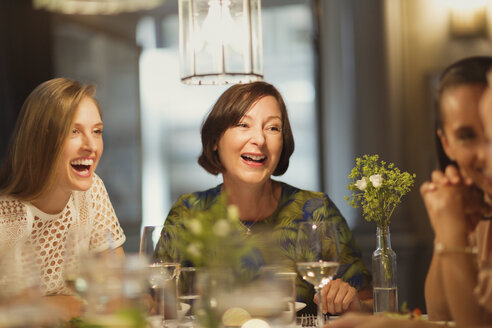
384 273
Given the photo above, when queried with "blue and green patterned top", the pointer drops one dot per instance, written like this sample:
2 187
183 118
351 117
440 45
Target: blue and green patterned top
295 206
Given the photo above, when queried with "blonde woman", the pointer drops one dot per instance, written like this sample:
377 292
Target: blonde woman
50 196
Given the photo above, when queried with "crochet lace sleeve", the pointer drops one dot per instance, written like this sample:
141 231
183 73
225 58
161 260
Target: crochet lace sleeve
106 230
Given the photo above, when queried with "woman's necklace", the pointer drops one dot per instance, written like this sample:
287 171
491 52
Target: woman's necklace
248 226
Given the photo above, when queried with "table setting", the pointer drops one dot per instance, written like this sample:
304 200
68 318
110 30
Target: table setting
192 273
213 293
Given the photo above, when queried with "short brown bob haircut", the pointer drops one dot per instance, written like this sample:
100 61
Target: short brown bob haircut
43 124
231 106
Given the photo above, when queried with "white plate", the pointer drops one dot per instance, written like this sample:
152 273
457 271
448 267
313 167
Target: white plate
155 321
444 323
300 306
184 307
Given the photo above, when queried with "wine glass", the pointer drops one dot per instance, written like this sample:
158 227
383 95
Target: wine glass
158 244
317 256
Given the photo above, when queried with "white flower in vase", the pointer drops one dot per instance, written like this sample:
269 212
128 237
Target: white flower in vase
376 180
361 184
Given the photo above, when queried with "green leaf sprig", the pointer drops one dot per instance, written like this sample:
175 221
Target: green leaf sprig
213 238
378 188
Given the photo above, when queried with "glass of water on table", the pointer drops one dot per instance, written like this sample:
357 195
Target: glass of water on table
158 244
188 295
317 256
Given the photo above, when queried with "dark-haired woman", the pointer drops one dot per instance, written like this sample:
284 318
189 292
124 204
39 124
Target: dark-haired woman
50 196
456 199
247 138
458 190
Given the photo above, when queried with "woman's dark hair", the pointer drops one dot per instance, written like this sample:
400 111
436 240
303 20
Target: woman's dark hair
231 106
471 70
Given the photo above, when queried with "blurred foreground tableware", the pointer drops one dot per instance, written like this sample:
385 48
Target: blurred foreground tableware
116 290
188 295
21 304
228 301
300 306
162 278
287 280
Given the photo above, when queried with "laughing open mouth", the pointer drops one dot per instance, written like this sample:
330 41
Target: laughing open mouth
82 165
253 158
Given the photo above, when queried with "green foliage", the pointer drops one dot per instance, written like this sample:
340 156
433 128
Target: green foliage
132 317
217 241
214 238
378 188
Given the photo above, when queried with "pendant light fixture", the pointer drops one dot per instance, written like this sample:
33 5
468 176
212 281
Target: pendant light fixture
468 18
220 41
95 7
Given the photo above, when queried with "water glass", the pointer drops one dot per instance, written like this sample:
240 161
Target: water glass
158 245
265 301
287 283
113 284
188 295
21 304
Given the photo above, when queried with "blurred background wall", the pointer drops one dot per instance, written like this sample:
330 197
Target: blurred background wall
357 76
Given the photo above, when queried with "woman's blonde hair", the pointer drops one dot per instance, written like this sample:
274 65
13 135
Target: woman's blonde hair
38 138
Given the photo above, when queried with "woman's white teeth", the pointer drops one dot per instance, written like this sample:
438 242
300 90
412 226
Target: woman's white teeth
254 157
82 162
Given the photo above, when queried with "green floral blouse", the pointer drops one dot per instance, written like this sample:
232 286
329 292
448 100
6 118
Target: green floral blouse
295 206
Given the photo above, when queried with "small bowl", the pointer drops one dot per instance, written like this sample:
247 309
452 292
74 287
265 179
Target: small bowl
182 310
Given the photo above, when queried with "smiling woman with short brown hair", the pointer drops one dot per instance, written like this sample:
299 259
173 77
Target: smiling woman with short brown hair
247 138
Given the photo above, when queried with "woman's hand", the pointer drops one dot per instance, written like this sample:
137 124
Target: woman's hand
69 306
483 291
453 207
474 203
339 297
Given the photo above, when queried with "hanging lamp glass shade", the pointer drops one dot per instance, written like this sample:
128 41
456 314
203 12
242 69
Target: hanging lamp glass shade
95 7
220 41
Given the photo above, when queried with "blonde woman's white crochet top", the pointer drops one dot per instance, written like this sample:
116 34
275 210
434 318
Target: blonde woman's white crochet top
31 240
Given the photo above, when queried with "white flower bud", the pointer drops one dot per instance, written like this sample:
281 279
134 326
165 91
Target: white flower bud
376 180
233 213
361 184
221 228
194 249
195 226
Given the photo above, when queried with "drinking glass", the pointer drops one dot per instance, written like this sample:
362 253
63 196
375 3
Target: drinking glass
158 244
76 251
114 284
317 256
188 295
264 301
20 291
287 279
